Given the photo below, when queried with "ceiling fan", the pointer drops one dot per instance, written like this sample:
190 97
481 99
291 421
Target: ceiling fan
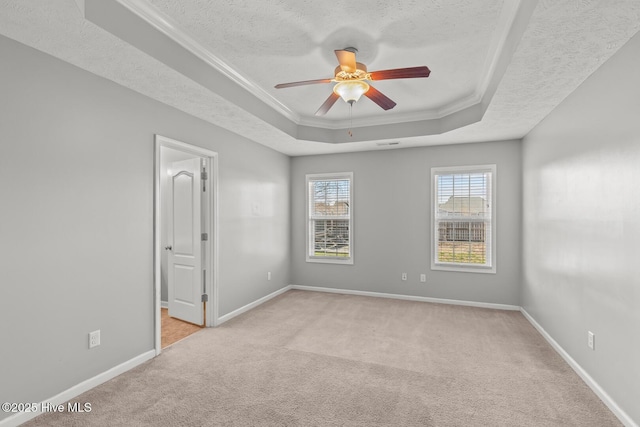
350 78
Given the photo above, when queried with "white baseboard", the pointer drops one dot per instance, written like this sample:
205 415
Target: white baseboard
606 399
249 306
409 297
78 389
164 304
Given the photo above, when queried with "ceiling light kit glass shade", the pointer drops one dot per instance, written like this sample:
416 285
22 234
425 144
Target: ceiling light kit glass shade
351 90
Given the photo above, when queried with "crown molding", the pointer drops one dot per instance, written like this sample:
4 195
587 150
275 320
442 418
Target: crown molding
500 39
391 118
171 29
80 4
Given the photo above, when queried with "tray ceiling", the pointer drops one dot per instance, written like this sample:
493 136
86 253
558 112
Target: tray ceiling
498 67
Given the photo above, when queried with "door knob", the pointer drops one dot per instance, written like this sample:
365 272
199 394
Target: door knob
168 248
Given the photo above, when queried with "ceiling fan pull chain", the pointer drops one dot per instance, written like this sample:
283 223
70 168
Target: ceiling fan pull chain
350 119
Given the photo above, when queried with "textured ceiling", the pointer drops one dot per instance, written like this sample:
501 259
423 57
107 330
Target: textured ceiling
271 42
283 41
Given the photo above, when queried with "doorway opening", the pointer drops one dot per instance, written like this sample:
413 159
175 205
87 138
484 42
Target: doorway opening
173 329
185 243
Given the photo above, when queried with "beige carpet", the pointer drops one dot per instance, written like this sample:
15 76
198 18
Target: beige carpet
317 359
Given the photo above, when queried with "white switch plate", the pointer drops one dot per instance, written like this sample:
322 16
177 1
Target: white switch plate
591 340
423 278
404 276
94 338
268 275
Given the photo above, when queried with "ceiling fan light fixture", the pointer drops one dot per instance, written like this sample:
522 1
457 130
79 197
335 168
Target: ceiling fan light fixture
350 77
351 90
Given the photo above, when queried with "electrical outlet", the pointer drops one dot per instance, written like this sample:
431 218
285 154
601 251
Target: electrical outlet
94 338
591 340
268 275
404 276
423 278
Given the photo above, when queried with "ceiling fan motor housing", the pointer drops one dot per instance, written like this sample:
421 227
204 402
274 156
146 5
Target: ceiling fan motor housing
359 74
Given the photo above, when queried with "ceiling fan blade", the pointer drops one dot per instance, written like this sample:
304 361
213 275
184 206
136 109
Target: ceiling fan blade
302 83
379 98
401 73
347 60
327 104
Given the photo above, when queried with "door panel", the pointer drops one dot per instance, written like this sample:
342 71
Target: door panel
183 214
182 289
184 232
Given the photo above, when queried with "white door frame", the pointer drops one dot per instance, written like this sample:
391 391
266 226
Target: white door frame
211 262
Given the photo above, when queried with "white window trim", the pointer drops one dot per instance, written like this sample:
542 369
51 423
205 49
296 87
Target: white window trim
459 267
329 260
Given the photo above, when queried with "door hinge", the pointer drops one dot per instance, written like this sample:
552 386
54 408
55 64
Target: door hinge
205 237
205 298
203 175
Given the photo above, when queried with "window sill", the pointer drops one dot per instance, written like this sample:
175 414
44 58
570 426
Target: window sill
343 260
461 268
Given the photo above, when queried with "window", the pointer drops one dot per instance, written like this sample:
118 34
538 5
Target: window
463 225
330 218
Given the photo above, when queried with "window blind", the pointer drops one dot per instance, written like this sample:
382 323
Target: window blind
329 219
463 217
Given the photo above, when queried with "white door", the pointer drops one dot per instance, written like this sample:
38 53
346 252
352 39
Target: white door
185 269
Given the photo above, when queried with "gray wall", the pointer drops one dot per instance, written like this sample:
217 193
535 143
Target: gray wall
581 224
76 218
392 223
